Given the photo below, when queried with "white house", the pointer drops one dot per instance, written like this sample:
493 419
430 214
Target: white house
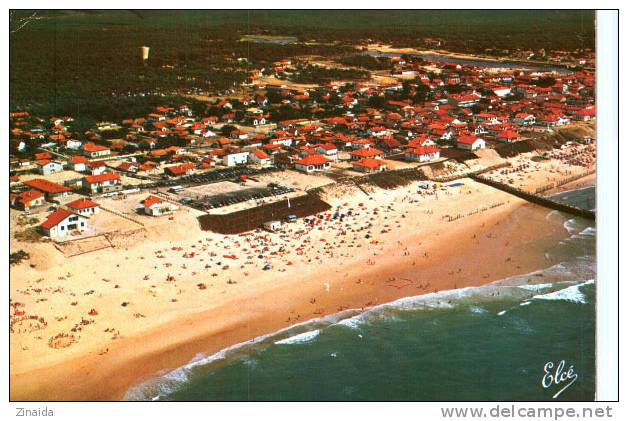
79 163
470 143
96 167
369 165
259 157
328 150
155 206
94 151
234 158
422 154
102 183
62 222
524 119
311 163
84 207
46 167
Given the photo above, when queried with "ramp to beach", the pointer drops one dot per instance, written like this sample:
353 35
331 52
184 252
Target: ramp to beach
536 198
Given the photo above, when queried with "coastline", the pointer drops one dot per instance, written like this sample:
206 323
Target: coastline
520 228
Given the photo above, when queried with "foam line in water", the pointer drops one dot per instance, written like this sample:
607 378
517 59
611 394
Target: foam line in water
572 294
300 338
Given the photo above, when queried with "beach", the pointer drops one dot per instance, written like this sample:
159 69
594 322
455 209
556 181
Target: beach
163 296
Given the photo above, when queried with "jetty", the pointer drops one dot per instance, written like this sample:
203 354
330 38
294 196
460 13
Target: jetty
536 198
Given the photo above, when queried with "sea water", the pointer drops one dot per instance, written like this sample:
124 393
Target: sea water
482 343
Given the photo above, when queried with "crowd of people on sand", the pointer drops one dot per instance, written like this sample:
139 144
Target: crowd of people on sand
557 165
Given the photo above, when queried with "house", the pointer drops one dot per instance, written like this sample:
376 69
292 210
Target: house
508 136
311 163
585 114
94 151
102 183
369 165
129 166
179 170
84 207
62 222
235 158
46 167
366 153
78 163
422 154
155 206
524 119
470 143
328 150
96 167
50 189
259 157
26 199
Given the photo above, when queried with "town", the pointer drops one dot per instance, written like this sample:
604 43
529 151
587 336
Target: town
424 113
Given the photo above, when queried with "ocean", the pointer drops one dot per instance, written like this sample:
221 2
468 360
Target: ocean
475 344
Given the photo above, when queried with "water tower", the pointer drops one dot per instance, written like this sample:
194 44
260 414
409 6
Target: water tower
144 51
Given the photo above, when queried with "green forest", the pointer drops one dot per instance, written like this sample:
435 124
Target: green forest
87 63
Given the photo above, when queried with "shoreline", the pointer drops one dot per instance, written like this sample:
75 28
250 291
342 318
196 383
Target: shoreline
137 358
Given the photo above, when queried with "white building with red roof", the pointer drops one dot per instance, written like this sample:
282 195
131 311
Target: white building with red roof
156 206
94 151
470 143
508 136
313 162
369 165
372 153
260 157
85 207
102 183
63 222
49 188
422 154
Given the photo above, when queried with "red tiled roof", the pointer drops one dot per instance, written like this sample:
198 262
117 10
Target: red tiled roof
78 160
314 159
423 150
151 200
260 154
369 163
56 217
92 147
28 196
367 152
46 186
108 176
508 134
467 140
82 204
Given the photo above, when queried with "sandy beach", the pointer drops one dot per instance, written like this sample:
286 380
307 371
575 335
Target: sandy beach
112 318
